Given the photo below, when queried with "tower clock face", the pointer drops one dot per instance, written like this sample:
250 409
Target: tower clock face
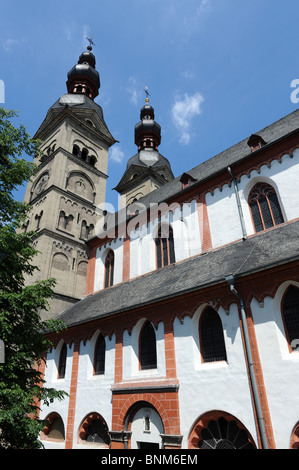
41 185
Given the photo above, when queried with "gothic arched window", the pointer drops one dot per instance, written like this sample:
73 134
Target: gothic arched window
165 246
99 356
290 312
211 337
109 269
148 352
62 362
264 206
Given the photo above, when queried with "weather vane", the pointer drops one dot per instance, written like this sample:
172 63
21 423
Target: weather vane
147 94
90 41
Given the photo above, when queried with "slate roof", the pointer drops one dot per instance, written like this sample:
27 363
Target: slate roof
262 251
214 165
274 247
227 158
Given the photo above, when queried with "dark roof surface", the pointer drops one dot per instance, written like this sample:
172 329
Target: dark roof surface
274 247
214 165
225 159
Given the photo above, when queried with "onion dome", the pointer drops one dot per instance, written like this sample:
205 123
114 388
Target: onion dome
83 78
147 131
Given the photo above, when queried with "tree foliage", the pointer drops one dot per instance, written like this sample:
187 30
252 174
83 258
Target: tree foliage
22 331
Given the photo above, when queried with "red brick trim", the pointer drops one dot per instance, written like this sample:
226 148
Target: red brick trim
72 399
295 438
126 259
204 226
91 271
166 404
203 421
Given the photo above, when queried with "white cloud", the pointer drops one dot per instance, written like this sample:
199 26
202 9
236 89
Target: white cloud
9 43
204 6
116 154
133 91
183 111
188 74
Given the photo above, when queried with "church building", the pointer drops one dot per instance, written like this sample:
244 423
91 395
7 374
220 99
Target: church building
182 308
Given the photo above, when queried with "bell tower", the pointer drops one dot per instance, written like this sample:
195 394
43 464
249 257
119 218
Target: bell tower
148 169
69 184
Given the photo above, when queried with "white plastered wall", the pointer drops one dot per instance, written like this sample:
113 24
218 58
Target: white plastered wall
94 391
222 206
52 381
204 387
280 366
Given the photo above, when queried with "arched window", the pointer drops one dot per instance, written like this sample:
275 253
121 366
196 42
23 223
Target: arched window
148 353
99 356
264 206
109 269
165 246
94 430
62 362
84 154
211 337
54 430
290 312
76 150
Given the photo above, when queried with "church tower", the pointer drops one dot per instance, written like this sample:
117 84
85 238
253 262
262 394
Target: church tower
69 184
148 169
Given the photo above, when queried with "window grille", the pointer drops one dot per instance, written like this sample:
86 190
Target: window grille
224 434
265 208
148 353
165 246
211 337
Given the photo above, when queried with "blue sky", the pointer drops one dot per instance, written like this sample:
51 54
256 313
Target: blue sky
217 70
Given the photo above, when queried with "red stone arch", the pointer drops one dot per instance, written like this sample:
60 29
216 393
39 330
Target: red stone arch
87 421
295 437
203 422
145 400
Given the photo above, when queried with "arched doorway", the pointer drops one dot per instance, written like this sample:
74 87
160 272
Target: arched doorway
219 430
145 426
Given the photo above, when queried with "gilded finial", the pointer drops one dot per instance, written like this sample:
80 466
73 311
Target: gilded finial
90 43
147 94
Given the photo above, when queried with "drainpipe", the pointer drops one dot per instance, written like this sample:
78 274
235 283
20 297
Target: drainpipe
261 424
238 202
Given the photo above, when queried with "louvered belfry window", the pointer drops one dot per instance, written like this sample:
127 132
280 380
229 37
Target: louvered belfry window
109 269
165 246
291 315
211 337
265 208
148 353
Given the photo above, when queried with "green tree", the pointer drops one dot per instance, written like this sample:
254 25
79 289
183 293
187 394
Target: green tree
21 329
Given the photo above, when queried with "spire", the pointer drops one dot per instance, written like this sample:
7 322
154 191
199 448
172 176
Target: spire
83 78
147 131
